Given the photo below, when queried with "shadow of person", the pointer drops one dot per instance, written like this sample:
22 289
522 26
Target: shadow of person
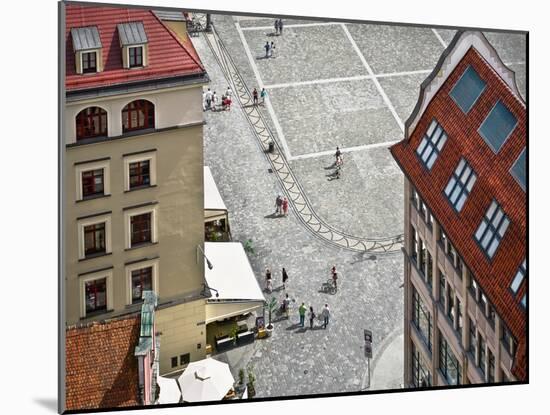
272 216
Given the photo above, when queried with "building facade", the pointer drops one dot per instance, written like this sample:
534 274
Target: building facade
465 278
133 174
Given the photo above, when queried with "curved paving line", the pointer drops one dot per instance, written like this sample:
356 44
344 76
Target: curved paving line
291 186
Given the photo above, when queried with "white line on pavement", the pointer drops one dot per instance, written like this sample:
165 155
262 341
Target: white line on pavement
290 25
388 75
267 101
318 81
344 79
438 36
376 83
344 150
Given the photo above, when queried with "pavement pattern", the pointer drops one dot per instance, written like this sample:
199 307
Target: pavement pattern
329 84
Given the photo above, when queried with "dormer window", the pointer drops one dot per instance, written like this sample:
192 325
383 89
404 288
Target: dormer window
133 42
87 48
89 62
135 55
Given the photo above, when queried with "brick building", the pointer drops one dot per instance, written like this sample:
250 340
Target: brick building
464 160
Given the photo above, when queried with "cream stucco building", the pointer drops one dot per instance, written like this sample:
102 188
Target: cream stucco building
133 175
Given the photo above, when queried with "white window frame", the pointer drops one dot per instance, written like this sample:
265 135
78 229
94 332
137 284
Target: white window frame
153 209
108 274
92 221
142 56
151 156
82 168
97 57
154 263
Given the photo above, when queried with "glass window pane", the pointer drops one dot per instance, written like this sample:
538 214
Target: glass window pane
503 227
498 125
480 230
450 186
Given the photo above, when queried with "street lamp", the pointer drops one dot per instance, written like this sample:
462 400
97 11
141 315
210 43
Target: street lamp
208 263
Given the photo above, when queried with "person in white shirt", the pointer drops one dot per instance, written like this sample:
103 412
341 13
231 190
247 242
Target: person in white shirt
325 314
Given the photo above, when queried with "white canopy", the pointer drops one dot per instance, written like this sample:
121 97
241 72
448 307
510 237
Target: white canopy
212 198
169 390
233 278
206 380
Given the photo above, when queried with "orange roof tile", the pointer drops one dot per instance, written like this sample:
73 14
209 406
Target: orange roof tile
167 56
101 369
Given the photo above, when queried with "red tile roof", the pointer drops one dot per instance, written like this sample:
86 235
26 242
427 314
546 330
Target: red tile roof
101 369
493 181
167 56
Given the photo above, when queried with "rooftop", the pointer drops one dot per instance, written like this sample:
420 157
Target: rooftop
167 56
102 371
485 129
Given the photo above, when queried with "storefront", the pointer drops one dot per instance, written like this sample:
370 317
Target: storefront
236 295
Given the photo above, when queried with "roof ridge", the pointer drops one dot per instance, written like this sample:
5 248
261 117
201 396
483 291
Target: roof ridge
171 32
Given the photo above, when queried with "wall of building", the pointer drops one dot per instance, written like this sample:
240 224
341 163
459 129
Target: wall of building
173 107
182 330
179 209
457 282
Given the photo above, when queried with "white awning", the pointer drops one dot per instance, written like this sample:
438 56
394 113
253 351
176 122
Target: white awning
233 278
212 199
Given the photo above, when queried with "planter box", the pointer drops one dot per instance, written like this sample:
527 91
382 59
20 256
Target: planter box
225 344
245 337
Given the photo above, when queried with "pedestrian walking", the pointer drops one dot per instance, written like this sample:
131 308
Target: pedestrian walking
338 156
280 26
255 96
271 47
268 281
285 278
267 47
276 26
302 311
263 95
204 100
286 305
279 205
208 98
285 206
229 92
325 314
311 316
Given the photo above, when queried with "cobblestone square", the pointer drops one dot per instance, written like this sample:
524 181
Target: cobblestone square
390 49
301 54
354 221
317 118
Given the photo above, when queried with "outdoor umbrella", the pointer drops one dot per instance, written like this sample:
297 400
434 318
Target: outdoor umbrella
205 380
169 390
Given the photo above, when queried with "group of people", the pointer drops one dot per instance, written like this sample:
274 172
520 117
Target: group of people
263 95
281 205
269 49
285 303
278 27
210 100
269 280
325 314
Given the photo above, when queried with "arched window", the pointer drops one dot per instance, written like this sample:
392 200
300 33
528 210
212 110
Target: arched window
91 122
138 115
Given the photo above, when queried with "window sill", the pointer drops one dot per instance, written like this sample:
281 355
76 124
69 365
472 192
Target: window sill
141 245
140 188
93 256
85 199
